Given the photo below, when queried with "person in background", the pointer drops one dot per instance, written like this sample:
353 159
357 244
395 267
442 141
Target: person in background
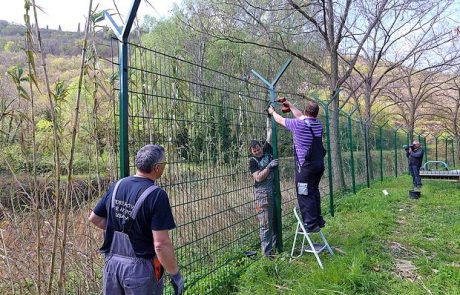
309 155
415 156
136 216
261 165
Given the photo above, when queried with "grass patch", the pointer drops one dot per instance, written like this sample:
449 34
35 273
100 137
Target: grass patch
387 245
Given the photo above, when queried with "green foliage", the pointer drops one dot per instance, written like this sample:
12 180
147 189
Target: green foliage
45 125
17 75
10 46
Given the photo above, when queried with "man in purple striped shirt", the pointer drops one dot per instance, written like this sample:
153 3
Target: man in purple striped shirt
309 159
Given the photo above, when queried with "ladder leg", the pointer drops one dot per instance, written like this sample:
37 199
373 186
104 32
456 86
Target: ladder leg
326 243
293 244
312 247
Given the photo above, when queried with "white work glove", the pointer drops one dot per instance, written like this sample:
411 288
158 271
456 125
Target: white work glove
273 164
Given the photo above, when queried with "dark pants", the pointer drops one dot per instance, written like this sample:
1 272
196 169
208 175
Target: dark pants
307 184
415 172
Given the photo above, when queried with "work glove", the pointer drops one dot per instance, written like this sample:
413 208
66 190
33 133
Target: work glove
273 164
177 282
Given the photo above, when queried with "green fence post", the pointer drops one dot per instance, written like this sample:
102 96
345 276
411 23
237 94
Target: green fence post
453 153
122 35
350 145
329 161
366 153
123 108
446 139
396 152
436 151
381 152
328 147
350 142
381 149
426 148
271 86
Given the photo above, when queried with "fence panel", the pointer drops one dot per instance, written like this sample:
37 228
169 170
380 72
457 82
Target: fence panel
205 120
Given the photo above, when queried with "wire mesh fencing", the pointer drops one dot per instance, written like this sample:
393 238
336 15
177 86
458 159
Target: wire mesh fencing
440 148
205 119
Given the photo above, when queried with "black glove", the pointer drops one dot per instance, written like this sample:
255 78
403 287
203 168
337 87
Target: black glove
177 282
272 164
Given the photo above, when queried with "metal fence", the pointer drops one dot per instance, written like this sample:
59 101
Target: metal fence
440 148
206 119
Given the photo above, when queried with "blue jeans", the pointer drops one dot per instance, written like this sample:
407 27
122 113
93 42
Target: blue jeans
415 172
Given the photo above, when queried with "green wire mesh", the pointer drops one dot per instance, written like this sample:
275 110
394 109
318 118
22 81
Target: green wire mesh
205 120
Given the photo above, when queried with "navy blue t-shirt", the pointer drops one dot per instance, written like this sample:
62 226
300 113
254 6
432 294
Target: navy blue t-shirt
154 214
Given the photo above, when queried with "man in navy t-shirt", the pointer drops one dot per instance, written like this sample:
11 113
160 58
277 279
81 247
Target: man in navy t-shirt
136 216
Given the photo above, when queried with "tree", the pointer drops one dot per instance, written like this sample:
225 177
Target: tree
273 26
406 29
445 113
417 83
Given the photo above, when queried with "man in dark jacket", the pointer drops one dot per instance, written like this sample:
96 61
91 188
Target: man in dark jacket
415 156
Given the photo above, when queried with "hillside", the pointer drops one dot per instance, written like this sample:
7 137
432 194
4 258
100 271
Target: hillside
55 42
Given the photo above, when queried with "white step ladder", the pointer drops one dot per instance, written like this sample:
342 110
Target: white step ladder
314 248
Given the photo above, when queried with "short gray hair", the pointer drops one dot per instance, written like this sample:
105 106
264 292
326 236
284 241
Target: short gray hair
148 156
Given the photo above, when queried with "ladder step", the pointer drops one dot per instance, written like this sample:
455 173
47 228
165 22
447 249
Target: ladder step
318 248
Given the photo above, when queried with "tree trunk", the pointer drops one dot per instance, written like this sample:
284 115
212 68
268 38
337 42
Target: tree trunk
336 155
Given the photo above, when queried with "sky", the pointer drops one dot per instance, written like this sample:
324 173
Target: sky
68 13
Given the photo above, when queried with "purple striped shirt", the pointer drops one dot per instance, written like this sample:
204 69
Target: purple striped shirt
302 136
